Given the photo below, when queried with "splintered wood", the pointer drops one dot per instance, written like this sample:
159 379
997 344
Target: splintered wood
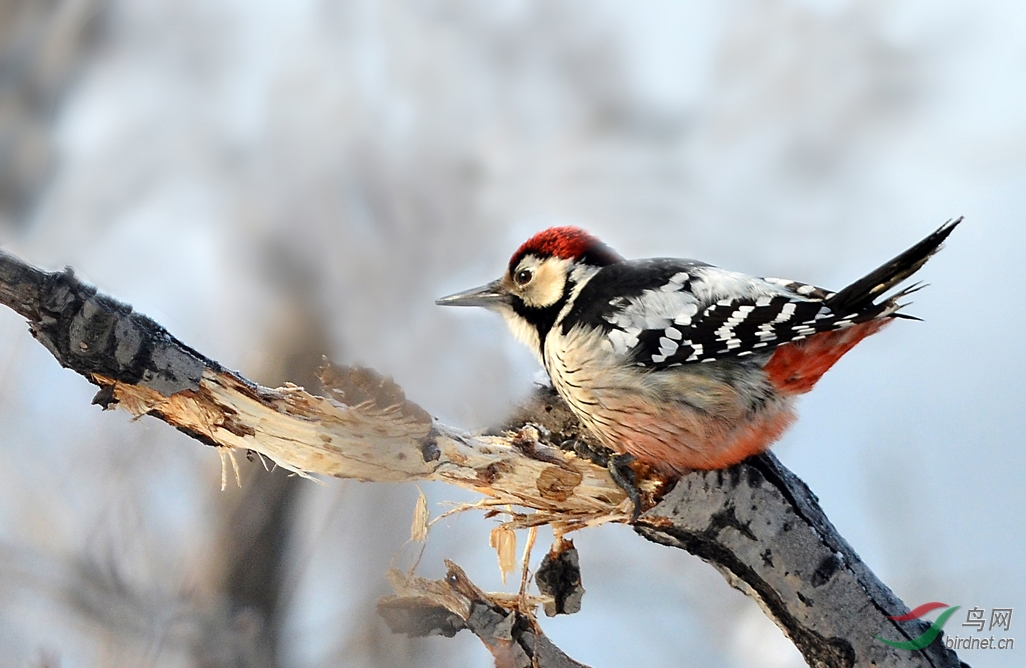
366 429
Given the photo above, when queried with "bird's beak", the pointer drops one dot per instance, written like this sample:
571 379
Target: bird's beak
491 296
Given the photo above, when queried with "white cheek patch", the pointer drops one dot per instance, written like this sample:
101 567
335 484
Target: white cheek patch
548 284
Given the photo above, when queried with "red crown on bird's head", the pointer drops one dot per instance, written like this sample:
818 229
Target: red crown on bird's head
569 243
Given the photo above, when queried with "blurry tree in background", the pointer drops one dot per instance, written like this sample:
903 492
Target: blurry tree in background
274 181
42 47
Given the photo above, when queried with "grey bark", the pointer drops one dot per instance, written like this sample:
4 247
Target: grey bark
763 529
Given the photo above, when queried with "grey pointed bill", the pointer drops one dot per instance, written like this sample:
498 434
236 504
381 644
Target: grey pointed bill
488 296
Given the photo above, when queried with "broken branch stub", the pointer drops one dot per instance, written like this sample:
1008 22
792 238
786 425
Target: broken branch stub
423 607
559 579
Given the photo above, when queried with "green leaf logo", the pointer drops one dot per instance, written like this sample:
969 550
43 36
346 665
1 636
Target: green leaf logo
929 635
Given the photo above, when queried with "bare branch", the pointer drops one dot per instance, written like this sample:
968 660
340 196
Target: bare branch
365 429
763 529
756 522
444 607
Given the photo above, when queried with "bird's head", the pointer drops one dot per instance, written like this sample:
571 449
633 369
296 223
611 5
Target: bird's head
539 280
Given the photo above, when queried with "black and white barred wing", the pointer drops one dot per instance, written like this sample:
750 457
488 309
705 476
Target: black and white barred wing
670 312
705 313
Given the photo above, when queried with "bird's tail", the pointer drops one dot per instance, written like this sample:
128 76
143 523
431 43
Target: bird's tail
860 296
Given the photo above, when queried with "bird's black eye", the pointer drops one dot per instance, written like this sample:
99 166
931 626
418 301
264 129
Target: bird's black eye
523 277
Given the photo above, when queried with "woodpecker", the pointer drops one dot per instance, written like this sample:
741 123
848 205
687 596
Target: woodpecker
680 364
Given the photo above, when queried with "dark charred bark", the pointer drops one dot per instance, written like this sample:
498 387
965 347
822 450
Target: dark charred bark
92 333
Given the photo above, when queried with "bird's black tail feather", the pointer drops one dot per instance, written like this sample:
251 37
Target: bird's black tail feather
860 295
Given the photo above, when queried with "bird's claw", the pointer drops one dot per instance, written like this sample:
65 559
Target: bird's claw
623 475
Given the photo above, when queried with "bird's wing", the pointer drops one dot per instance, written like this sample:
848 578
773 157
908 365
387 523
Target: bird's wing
689 313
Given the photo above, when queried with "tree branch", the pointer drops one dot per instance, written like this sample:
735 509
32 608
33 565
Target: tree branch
763 529
423 608
365 429
756 523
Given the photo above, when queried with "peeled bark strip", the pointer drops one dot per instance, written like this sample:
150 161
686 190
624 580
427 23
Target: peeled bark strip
756 522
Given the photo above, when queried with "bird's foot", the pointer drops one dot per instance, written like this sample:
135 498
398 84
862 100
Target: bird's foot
623 475
596 454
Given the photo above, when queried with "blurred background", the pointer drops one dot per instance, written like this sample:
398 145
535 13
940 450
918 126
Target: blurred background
273 181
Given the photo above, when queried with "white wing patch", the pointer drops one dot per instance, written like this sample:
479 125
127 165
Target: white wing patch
623 340
652 309
712 284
